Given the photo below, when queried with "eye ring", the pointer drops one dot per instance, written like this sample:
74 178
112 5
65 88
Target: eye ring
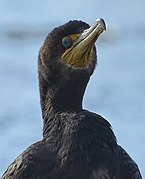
67 42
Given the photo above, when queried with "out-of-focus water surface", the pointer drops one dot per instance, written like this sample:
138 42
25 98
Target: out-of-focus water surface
116 90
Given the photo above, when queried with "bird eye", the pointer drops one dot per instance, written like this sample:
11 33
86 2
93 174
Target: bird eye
67 42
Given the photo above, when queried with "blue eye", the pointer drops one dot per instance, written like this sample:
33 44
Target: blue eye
67 42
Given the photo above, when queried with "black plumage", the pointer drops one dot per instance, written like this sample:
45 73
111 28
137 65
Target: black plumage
76 144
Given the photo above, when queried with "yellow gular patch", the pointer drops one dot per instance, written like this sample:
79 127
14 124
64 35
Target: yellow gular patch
74 36
76 56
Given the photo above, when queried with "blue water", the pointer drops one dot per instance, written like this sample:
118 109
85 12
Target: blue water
116 89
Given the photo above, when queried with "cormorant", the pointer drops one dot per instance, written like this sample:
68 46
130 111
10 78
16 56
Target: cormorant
76 144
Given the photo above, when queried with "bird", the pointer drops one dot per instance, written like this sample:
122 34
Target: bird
76 143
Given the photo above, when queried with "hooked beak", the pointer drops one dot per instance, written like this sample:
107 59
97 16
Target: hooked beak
80 53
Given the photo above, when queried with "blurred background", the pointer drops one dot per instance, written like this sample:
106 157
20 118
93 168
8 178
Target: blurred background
116 90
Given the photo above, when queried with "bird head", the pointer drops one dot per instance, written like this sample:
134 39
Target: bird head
66 61
72 46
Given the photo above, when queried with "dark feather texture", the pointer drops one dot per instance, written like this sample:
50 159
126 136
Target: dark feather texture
77 144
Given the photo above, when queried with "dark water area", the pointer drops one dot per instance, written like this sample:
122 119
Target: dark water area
116 90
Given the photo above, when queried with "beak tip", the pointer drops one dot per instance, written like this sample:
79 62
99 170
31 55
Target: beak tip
102 22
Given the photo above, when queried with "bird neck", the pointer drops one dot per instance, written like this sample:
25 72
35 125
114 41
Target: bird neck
61 95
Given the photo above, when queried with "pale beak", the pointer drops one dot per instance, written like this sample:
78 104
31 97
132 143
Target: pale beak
80 53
